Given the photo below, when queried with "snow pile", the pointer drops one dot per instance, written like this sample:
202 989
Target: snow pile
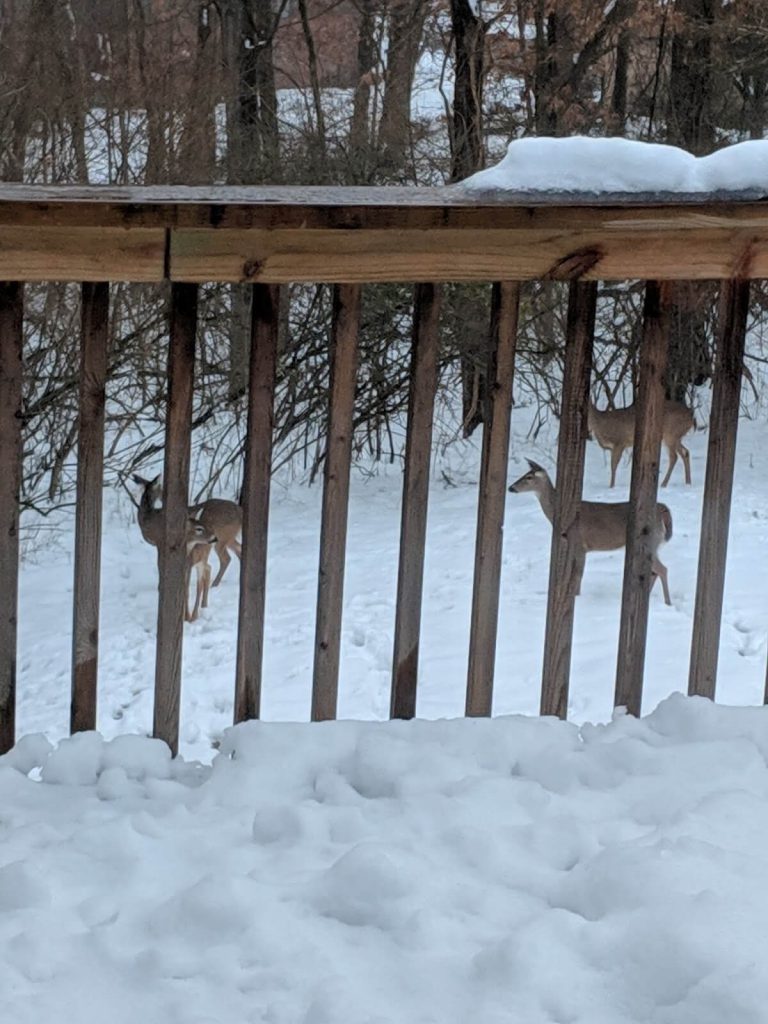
584 164
512 870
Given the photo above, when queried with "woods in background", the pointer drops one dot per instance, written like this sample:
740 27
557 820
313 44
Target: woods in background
344 92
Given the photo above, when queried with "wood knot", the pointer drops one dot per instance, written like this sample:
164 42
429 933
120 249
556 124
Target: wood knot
574 265
252 269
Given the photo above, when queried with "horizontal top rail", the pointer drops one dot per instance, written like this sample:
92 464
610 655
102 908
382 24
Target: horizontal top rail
280 234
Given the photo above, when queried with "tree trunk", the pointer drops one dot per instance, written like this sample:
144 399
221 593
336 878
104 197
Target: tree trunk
320 157
619 95
155 169
197 148
266 25
690 124
406 23
467 127
359 129
466 158
546 28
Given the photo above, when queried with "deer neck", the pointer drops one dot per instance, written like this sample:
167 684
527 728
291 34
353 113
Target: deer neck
149 518
546 496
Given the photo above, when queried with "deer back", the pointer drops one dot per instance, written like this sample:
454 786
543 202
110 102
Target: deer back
223 518
678 421
612 427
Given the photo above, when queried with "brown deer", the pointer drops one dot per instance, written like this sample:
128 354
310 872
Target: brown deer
614 430
199 540
225 519
602 525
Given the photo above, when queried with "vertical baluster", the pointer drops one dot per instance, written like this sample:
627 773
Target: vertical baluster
256 480
638 577
718 486
333 531
502 339
90 470
567 554
173 553
413 527
11 334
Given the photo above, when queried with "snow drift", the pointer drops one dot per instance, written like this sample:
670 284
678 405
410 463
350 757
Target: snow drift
584 164
507 870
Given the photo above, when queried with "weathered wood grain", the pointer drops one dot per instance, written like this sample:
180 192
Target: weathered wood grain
718 487
566 560
274 235
256 480
90 471
11 332
502 340
638 577
251 206
413 527
618 248
333 530
90 254
173 552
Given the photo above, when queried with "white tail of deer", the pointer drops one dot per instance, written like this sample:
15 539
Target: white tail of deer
614 430
199 540
602 525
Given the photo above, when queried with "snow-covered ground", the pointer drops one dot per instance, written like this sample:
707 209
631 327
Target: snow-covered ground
518 870
514 870
130 593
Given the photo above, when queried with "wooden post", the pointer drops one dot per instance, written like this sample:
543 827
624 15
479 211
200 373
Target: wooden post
566 560
718 487
502 339
11 336
333 530
173 552
256 480
413 526
90 468
638 577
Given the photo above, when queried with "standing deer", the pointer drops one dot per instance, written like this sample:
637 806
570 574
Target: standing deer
602 525
199 540
225 518
614 430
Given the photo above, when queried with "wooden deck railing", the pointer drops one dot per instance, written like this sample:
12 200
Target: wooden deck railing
347 238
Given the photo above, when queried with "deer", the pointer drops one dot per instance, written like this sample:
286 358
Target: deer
222 517
199 541
602 525
225 518
614 431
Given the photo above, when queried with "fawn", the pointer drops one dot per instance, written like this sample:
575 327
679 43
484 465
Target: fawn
602 525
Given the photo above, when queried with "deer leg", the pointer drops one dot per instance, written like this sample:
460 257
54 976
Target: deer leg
236 547
187 574
672 462
206 583
686 456
660 570
224 560
579 572
198 591
616 454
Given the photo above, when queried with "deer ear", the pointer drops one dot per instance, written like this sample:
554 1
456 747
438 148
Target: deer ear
535 467
139 480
